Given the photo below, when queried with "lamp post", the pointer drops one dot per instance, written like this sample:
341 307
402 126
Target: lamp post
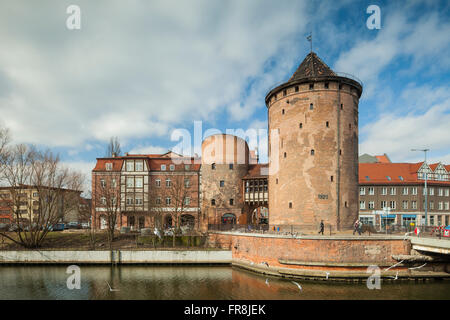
426 191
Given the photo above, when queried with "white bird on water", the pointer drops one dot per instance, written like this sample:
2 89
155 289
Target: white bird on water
111 289
299 286
327 273
267 282
265 263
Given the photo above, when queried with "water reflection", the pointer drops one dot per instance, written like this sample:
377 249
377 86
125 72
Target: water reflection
192 282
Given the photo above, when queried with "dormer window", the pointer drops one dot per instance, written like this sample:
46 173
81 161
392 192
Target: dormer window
109 166
326 85
389 178
172 167
296 88
311 86
163 167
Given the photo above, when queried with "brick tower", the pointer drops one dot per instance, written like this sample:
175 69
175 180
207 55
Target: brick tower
313 148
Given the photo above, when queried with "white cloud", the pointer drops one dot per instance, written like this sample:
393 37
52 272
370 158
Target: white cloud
138 69
396 133
83 167
148 150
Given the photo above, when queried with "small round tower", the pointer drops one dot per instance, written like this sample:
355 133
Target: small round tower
225 161
313 148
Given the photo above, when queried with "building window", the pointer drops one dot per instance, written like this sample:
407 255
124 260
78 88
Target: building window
331 178
285 154
187 167
405 191
371 191
276 180
172 167
139 182
231 202
346 204
163 167
282 111
296 88
342 106
383 204
312 152
158 200
168 182
384 191
138 200
213 166
393 191
326 85
186 182
284 92
392 204
103 183
103 200
431 191
414 191
130 182
129 201
158 182
300 125
290 205
213 202
187 201
230 166
413 204
109 166
168 201
405 204
371 205
447 192
441 192
222 183
362 191
113 183
139 166
311 86
311 106
440 205
327 124
130 165
446 206
362 205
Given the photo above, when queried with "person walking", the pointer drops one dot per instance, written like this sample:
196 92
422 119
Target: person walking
322 227
360 226
356 225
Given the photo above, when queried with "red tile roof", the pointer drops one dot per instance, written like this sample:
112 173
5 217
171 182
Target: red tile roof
101 164
383 159
378 173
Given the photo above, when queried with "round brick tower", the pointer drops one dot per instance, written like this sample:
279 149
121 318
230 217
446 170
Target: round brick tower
313 148
224 162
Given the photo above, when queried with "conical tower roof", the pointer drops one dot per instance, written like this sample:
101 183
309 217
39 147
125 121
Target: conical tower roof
312 66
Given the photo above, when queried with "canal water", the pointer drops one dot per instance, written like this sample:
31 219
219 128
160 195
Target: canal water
193 283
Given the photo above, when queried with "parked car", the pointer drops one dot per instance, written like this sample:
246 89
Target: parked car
85 225
59 227
4 227
73 225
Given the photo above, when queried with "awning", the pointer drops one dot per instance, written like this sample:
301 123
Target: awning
389 216
409 216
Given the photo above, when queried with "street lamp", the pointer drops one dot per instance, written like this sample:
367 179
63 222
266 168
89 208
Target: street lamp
426 191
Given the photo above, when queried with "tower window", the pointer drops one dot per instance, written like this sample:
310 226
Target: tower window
213 166
342 106
284 92
311 106
340 151
276 181
222 183
311 86
282 111
340 86
274 97
296 88
349 125
290 205
346 205
285 154
331 178
231 202
213 202
230 166
312 152
287 101
300 125
326 85
327 124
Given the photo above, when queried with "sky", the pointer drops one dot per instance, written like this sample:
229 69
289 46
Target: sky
144 70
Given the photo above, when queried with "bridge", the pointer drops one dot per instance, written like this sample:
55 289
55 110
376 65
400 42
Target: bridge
432 245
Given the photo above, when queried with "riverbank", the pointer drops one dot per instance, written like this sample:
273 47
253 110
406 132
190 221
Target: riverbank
116 257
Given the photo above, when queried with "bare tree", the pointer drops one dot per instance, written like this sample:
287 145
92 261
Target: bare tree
85 214
39 192
113 149
177 194
4 141
106 195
